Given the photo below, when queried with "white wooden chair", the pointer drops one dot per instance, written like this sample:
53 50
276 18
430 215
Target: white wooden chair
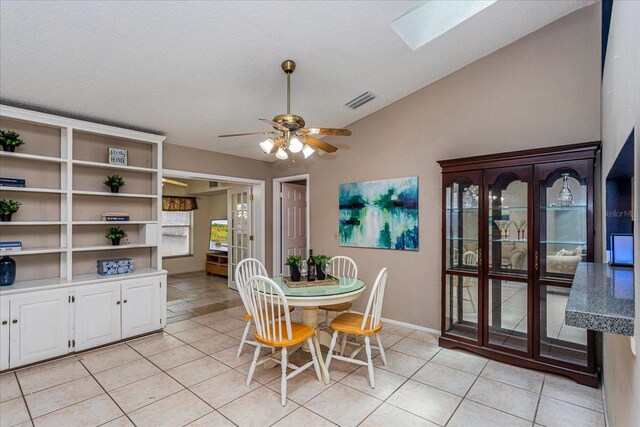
265 300
340 266
245 270
366 324
469 259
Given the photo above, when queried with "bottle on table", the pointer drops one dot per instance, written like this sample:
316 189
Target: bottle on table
311 267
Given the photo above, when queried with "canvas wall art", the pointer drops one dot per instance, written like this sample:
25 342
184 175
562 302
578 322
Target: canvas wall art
380 214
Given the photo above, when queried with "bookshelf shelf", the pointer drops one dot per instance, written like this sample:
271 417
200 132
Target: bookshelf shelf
32 157
111 247
115 167
32 190
30 223
104 193
113 222
35 251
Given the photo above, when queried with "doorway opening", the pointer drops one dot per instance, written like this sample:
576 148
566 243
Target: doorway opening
202 246
291 220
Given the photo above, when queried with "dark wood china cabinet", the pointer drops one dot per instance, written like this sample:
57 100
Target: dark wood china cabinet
514 228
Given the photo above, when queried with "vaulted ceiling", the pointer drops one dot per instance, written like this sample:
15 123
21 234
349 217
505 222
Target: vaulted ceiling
194 70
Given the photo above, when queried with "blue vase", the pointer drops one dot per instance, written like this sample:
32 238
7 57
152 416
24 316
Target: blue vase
7 271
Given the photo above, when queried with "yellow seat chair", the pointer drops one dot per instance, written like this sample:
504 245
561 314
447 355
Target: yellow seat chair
361 325
265 299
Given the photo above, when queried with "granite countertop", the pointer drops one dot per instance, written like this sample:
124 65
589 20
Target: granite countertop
601 299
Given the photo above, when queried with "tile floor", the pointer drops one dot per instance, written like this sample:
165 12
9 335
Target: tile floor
189 376
194 294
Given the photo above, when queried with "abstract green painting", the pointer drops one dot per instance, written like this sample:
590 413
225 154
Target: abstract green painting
380 214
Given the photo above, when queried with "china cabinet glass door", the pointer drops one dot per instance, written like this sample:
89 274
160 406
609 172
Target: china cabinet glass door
564 201
462 255
508 286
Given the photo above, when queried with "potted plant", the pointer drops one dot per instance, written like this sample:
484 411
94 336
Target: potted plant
321 261
114 182
294 267
7 208
10 140
115 234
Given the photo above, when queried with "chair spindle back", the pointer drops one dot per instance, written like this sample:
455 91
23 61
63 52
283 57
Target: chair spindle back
245 270
373 313
342 266
268 306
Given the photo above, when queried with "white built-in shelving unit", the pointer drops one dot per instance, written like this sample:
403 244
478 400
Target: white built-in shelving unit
64 162
59 304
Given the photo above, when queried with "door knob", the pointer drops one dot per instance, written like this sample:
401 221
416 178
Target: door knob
15 321
118 302
4 322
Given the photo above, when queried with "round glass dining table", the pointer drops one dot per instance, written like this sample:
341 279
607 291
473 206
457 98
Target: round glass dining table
310 298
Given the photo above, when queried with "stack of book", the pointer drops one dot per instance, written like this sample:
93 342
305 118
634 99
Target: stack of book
115 216
12 182
10 246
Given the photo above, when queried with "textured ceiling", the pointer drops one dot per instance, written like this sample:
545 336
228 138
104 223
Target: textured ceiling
194 70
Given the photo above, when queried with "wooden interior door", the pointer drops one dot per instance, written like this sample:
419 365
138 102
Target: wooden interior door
294 222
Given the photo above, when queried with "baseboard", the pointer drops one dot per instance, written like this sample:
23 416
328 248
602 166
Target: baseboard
406 325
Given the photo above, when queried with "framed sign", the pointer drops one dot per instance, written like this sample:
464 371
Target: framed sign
117 156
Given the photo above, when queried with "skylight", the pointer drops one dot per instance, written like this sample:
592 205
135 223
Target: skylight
435 17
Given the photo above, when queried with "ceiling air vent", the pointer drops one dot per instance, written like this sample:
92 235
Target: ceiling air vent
359 101
213 184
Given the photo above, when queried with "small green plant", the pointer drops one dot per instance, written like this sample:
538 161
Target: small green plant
293 260
8 206
114 181
10 138
321 259
115 233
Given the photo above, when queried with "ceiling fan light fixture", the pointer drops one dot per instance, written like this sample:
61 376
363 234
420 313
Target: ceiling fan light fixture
295 146
281 154
307 151
267 145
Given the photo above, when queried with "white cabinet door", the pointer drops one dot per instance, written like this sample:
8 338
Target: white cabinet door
141 306
4 334
97 315
39 327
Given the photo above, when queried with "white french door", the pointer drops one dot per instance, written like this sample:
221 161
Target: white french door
240 229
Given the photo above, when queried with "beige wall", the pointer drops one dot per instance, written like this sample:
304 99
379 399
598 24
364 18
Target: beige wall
542 90
194 160
620 114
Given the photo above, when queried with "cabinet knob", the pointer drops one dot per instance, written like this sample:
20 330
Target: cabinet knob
4 322
15 321
118 302
125 301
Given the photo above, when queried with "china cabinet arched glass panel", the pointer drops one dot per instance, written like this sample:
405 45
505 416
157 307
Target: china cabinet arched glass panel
507 286
461 255
565 205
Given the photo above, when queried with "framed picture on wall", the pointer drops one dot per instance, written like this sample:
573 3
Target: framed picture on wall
117 156
380 214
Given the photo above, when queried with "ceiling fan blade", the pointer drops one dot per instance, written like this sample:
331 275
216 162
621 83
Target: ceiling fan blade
321 145
326 131
275 125
276 144
250 133
171 181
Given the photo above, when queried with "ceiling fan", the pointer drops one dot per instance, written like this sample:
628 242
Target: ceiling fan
174 182
290 135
